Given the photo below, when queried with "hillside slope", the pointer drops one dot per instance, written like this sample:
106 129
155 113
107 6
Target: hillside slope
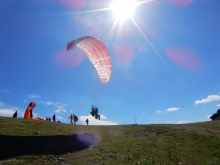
40 142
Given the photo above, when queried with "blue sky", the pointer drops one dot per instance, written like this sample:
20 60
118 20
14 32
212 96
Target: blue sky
165 60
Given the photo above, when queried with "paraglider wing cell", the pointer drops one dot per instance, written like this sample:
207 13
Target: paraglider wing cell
97 53
38 118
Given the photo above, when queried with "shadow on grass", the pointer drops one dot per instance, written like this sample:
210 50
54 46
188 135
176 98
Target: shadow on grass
12 146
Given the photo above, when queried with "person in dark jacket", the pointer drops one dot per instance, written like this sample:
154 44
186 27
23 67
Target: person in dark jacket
54 118
15 114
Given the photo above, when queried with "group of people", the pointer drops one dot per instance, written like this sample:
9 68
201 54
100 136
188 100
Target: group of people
73 118
49 119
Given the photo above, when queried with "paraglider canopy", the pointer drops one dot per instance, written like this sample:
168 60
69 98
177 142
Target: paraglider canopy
97 54
28 113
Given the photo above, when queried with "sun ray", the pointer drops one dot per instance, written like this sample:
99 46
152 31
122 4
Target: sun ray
157 53
145 1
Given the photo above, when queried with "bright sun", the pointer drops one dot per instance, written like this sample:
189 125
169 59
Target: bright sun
123 9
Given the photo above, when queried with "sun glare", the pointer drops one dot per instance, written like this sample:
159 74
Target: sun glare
123 9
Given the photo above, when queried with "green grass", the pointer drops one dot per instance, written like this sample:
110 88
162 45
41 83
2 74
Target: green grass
40 142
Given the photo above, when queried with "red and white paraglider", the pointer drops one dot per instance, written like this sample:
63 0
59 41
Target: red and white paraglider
97 54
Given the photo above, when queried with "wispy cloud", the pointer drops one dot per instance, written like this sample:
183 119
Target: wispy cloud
33 96
218 105
173 109
60 109
60 106
182 122
5 90
92 121
49 103
46 102
209 99
158 111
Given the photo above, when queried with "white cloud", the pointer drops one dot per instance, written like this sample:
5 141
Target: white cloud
92 121
159 111
8 112
218 105
173 109
60 109
33 96
209 99
182 122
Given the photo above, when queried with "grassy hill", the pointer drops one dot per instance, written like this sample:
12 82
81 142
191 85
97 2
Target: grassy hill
40 142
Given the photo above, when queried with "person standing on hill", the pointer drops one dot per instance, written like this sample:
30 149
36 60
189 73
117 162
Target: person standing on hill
15 114
54 118
75 118
87 121
71 119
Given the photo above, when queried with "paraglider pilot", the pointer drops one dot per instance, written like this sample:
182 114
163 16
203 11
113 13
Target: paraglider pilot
31 114
75 118
71 119
95 112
